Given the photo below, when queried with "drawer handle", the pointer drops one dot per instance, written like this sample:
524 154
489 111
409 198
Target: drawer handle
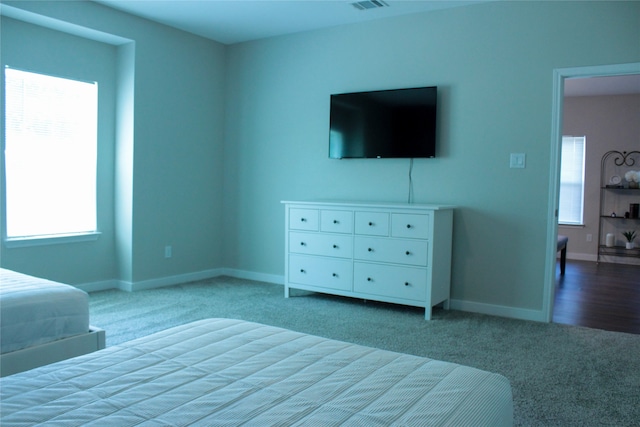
370 224
302 271
335 221
408 225
335 246
335 274
408 253
370 249
369 279
406 283
303 244
303 219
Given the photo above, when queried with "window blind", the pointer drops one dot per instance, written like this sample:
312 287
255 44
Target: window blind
50 154
571 206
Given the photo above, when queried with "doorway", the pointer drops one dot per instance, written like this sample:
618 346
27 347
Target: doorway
559 77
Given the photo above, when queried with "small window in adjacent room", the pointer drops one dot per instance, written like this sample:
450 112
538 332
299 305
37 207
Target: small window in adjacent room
50 155
572 180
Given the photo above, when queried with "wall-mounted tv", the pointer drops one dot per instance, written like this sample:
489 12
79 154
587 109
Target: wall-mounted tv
397 123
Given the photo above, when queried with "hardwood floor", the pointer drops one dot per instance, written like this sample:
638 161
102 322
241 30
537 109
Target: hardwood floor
599 295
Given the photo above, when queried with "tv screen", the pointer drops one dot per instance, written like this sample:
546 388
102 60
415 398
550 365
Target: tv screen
398 123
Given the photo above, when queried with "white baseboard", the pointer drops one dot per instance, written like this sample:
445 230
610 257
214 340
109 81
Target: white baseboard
250 275
99 286
582 257
498 310
470 306
172 280
180 278
603 258
620 260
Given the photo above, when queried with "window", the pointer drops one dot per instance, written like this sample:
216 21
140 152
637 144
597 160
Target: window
572 180
50 155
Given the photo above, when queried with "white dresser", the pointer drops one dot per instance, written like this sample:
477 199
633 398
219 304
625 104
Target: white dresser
398 253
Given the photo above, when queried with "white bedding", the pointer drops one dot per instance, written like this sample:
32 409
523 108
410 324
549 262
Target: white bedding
230 372
35 311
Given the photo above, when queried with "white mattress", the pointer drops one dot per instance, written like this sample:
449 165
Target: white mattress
229 372
35 311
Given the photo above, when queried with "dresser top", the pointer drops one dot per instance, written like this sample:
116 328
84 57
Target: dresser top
363 204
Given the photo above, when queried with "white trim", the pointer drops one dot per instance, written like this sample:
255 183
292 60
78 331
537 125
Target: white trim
554 192
178 279
582 256
498 310
468 306
22 242
603 258
171 280
250 275
559 76
99 286
620 260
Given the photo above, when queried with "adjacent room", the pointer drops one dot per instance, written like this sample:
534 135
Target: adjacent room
598 202
317 211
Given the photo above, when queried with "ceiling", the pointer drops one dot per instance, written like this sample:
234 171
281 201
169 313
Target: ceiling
236 21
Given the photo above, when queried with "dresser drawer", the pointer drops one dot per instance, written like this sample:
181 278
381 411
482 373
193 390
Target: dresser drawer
321 244
330 273
336 221
398 251
372 223
303 219
415 226
390 281
377 251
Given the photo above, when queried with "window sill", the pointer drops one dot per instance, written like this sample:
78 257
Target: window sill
22 242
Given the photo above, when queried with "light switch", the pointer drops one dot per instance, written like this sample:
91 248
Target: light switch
517 160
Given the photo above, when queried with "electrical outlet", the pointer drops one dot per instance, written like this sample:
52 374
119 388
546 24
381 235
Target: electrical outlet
168 251
589 237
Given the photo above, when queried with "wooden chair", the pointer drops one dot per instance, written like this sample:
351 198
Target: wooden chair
562 248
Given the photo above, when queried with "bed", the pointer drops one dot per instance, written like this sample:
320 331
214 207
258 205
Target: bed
231 372
42 322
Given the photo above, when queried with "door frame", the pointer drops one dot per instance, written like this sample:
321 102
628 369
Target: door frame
559 76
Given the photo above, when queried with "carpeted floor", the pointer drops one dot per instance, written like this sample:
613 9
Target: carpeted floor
561 375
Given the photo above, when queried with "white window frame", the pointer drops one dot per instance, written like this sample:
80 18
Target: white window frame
572 180
38 128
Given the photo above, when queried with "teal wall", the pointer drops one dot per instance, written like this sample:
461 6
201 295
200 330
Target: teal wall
29 47
222 134
493 63
167 188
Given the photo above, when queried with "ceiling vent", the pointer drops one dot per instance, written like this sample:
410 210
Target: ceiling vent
369 4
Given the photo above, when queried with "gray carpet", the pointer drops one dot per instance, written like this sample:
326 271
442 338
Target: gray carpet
561 375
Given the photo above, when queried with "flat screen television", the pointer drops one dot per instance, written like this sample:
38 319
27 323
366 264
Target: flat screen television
397 123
